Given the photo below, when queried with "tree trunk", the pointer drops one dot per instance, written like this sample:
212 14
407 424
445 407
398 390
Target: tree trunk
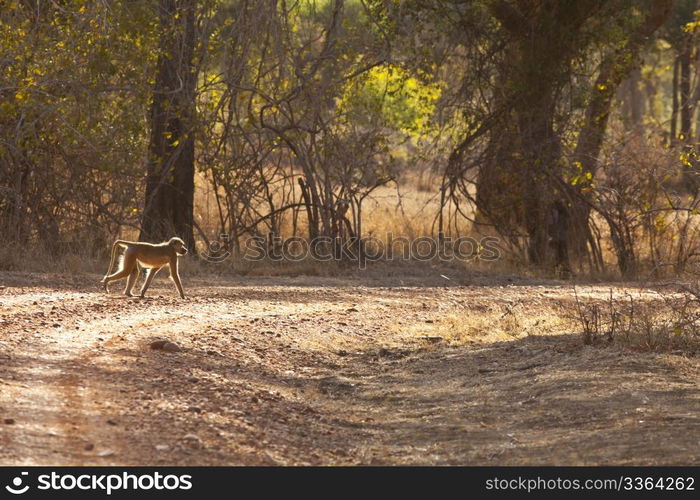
686 103
517 188
636 98
696 97
170 179
614 68
674 101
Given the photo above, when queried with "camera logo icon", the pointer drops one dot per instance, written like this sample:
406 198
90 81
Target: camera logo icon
17 483
218 250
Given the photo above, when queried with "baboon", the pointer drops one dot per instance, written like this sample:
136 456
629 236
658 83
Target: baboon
149 256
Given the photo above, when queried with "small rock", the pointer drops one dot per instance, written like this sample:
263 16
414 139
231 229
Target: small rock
335 385
352 310
165 345
162 447
106 453
342 352
9 421
194 380
192 440
194 409
156 344
112 422
486 370
171 347
89 447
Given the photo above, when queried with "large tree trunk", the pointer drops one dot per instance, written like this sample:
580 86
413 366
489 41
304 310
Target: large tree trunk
540 155
499 190
519 187
516 192
170 180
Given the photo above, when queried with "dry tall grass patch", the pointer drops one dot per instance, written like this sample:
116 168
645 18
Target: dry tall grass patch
671 321
485 324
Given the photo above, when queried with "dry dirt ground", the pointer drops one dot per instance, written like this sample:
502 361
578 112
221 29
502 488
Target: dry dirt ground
313 370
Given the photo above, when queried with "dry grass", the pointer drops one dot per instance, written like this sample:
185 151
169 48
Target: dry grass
38 259
650 322
408 208
486 324
669 322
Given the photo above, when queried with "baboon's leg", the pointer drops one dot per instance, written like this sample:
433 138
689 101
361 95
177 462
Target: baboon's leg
150 274
133 276
127 266
176 277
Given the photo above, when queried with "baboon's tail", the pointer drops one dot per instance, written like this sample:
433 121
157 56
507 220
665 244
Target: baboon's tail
118 243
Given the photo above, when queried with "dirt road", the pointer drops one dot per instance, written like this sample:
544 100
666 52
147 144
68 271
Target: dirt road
329 371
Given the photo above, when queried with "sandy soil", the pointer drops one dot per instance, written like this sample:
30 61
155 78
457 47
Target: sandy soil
329 371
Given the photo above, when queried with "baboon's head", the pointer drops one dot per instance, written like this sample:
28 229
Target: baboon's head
178 245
